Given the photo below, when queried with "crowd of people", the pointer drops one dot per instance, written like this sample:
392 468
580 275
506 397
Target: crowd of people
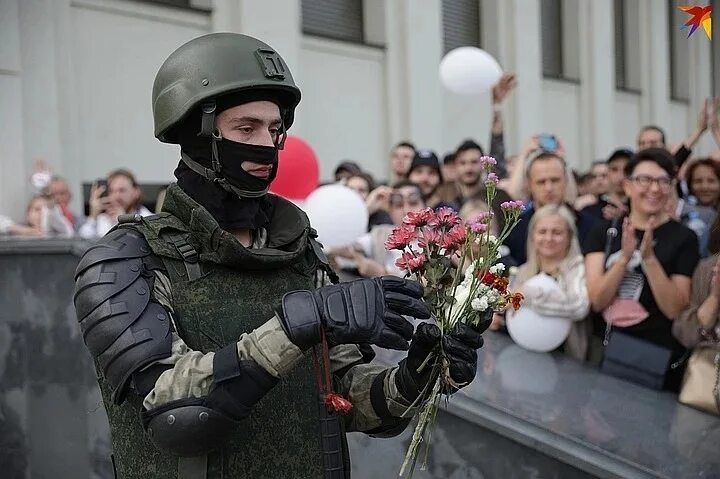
632 243
49 212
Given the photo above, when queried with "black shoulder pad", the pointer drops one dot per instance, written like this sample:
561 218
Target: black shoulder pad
122 243
122 327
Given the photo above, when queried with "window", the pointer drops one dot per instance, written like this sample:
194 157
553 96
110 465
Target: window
559 31
201 5
679 52
551 33
627 46
461 24
336 19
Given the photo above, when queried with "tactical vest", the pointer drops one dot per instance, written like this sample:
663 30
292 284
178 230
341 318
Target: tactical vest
234 294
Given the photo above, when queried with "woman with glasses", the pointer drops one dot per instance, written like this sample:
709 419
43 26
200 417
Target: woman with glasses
639 267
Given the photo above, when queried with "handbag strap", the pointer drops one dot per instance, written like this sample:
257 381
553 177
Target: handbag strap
610 234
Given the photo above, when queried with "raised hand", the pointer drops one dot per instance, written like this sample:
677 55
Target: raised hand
378 199
646 245
504 86
628 242
714 120
98 203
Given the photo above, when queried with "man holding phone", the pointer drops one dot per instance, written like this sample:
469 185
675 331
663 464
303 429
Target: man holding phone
547 178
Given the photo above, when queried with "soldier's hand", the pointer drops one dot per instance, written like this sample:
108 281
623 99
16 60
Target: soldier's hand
460 347
366 311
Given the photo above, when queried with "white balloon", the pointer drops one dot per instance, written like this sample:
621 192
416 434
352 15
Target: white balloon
534 331
337 213
469 71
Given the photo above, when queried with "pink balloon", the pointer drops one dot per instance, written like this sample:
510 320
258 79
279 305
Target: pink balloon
298 170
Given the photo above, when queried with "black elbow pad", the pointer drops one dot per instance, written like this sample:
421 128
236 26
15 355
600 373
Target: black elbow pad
122 327
196 426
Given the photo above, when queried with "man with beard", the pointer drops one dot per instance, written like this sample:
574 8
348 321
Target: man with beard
426 173
200 318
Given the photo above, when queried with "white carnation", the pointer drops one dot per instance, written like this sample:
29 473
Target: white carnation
479 304
497 268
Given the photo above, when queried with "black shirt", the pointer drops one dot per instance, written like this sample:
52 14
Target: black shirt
676 248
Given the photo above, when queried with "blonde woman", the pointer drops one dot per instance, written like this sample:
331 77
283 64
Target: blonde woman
553 250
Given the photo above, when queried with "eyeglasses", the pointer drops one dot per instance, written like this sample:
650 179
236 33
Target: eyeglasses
644 181
397 200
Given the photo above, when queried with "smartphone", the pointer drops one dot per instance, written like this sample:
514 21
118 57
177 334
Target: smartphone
548 142
101 182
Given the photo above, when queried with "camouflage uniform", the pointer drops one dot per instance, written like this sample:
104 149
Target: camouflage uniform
200 342
227 303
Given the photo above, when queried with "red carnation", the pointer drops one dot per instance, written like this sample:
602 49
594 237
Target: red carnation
401 237
429 237
488 279
444 218
454 239
458 233
419 218
501 284
411 261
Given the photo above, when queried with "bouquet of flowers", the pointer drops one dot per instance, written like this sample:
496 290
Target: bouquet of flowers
464 282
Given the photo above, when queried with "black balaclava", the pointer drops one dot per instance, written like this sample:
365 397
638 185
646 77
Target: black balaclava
234 197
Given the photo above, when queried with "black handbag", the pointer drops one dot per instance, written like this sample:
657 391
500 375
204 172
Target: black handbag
636 360
628 357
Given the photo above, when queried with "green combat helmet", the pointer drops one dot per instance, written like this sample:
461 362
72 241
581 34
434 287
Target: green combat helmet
214 65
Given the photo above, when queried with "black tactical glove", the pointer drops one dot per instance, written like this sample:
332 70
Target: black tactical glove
460 347
366 311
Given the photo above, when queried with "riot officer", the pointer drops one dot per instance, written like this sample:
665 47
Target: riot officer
201 319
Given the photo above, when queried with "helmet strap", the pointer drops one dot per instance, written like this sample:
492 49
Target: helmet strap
208 130
207 124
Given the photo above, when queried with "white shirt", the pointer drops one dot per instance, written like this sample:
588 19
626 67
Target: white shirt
98 227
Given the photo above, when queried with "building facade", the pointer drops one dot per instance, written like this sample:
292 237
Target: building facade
76 77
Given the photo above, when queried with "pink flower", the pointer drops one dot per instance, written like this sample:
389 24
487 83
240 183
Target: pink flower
483 217
411 261
429 237
454 239
419 218
458 233
444 218
487 162
478 227
401 237
492 179
512 205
